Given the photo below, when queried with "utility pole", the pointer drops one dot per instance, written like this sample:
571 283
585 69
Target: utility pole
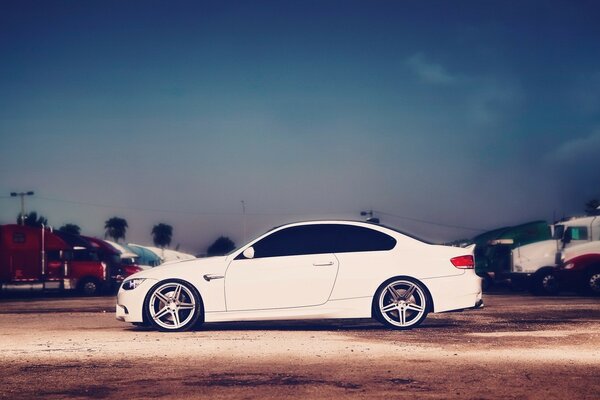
244 217
22 196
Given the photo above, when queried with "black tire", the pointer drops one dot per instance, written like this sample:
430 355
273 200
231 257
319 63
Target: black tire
591 282
173 306
401 303
89 287
544 283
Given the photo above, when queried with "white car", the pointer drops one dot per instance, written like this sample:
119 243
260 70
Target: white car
307 270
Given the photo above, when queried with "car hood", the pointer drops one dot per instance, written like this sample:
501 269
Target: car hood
173 270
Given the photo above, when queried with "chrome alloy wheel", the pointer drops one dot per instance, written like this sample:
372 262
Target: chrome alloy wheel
402 304
172 306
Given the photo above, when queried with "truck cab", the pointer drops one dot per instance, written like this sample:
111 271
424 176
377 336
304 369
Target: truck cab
533 265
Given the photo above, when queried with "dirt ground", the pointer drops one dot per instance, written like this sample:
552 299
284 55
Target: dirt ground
518 346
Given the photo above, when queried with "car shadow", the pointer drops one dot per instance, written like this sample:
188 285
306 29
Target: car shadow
298 326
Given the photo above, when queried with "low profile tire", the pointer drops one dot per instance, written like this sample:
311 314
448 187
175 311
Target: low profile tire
401 303
544 283
173 306
89 287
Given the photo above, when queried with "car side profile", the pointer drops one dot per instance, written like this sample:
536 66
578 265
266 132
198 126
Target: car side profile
307 270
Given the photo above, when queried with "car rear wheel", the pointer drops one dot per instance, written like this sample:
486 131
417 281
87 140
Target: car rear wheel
173 306
592 283
401 303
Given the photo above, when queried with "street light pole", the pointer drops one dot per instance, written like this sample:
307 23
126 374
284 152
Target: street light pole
244 217
22 196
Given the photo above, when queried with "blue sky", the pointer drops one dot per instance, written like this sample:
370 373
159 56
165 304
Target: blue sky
470 113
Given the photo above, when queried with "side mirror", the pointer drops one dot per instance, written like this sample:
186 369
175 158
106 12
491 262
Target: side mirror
567 236
249 252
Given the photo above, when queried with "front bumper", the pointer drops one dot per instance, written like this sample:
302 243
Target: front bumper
130 303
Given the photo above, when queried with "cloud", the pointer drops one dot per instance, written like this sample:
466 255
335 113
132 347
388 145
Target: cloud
582 148
429 72
492 99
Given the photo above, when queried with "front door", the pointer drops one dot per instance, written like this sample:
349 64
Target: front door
280 282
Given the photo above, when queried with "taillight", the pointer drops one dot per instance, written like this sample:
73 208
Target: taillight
463 262
131 269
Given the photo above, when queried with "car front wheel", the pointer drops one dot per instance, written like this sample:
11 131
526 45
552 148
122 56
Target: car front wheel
173 306
544 283
401 303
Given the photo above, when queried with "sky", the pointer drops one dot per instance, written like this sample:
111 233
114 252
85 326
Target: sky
445 118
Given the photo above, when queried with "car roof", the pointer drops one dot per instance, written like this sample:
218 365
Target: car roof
366 224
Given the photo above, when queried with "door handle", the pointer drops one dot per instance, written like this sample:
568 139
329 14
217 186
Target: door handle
328 264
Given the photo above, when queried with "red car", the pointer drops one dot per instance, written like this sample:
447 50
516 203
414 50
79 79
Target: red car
581 273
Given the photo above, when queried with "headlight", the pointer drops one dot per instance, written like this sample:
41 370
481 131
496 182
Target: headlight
569 266
131 284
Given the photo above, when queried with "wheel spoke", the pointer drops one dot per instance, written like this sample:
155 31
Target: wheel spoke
394 293
177 293
186 306
414 307
161 313
389 307
161 297
176 321
402 315
409 292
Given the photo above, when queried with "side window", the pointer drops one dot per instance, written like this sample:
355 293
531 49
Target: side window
18 237
322 238
353 238
297 240
579 233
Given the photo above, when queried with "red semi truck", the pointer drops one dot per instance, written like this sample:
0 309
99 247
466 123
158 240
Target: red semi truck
34 258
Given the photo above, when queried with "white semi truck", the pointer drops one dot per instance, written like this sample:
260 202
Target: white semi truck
534 265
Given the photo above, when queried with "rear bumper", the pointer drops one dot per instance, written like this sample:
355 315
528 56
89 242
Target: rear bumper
455 293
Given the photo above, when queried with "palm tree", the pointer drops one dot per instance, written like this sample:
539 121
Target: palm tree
162 234
592 207
115 228
221 246
70 228
32 219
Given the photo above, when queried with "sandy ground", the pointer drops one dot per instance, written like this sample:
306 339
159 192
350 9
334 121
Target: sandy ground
518 346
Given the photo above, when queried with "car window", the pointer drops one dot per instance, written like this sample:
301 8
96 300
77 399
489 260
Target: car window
322 238
352 238
579 233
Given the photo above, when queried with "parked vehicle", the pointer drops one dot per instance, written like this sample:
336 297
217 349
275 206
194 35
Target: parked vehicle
39 259
493 249
534 265
120 265
315 269
579 268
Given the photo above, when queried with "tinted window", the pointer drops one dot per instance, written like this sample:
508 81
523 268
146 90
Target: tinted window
579 233
85 255
323 238
352 238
